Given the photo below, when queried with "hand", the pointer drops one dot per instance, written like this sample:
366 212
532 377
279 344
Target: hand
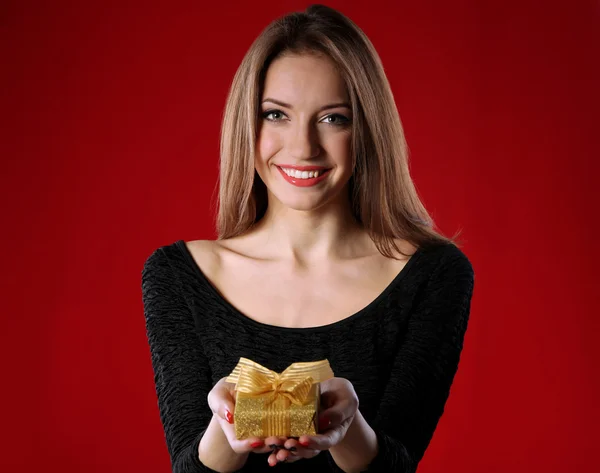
287 450
338 399
340 404
221 400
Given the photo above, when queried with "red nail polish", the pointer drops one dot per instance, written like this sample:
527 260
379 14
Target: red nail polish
256 444
304 443
228 416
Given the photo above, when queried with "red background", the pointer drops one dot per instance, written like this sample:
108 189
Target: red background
110 129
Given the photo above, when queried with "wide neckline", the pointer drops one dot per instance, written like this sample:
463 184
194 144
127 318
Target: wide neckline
240 315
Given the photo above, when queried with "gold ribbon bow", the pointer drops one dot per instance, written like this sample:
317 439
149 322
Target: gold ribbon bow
278 390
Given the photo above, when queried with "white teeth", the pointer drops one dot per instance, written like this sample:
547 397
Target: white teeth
296 174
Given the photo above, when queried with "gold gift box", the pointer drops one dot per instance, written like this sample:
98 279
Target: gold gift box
282 404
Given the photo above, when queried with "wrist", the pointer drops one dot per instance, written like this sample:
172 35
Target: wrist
215 452
358 448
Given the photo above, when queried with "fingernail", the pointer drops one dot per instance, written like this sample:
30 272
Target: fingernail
304 443
256 444
228 416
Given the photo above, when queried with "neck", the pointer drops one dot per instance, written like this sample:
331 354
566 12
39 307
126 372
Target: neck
311 237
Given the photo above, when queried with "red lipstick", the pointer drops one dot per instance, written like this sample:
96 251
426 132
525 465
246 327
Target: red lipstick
302 168
305 182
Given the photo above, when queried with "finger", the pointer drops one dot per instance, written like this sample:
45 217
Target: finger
272 460
297 451
308 453
303 452
327 399
257 445
282 455
291 445
335 415
221 401
323 441
275 442
251 444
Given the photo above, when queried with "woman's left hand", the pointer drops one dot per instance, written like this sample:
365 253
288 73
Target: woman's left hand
339 404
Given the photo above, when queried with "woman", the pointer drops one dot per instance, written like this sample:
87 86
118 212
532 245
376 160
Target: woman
324 252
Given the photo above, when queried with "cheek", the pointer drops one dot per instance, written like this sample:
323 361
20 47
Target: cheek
267 145
339 147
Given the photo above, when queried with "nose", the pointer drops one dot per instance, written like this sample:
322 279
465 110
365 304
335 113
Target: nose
303 142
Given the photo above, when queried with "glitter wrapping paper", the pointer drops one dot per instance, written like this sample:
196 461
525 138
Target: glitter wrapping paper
277 404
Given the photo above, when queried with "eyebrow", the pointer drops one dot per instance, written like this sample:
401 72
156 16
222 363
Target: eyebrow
325 107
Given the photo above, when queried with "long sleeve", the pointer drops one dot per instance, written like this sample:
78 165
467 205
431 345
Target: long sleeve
425 366
181 371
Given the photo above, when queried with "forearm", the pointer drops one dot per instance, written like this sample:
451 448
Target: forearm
215 452
359 447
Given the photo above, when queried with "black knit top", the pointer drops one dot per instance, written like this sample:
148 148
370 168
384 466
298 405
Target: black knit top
400 352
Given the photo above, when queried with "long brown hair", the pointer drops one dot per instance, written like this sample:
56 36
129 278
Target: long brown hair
383 197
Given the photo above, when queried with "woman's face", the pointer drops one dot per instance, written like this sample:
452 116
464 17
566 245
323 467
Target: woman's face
305 123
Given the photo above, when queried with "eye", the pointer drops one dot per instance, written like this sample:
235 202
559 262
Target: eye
338 119
341 119
266 114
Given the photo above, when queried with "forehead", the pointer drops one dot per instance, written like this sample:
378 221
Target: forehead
304 80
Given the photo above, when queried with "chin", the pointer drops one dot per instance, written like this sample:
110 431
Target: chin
302 205
304 202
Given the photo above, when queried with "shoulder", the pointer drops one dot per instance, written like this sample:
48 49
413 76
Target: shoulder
176 251
451 256
159 258
206 255
446 255
171 269
447 264
447 284
186 259
166 260
454 278
457 261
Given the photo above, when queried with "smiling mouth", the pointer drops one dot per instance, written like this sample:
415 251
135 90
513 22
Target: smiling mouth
303 178
303 174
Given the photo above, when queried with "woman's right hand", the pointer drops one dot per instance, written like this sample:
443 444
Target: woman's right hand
221 400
